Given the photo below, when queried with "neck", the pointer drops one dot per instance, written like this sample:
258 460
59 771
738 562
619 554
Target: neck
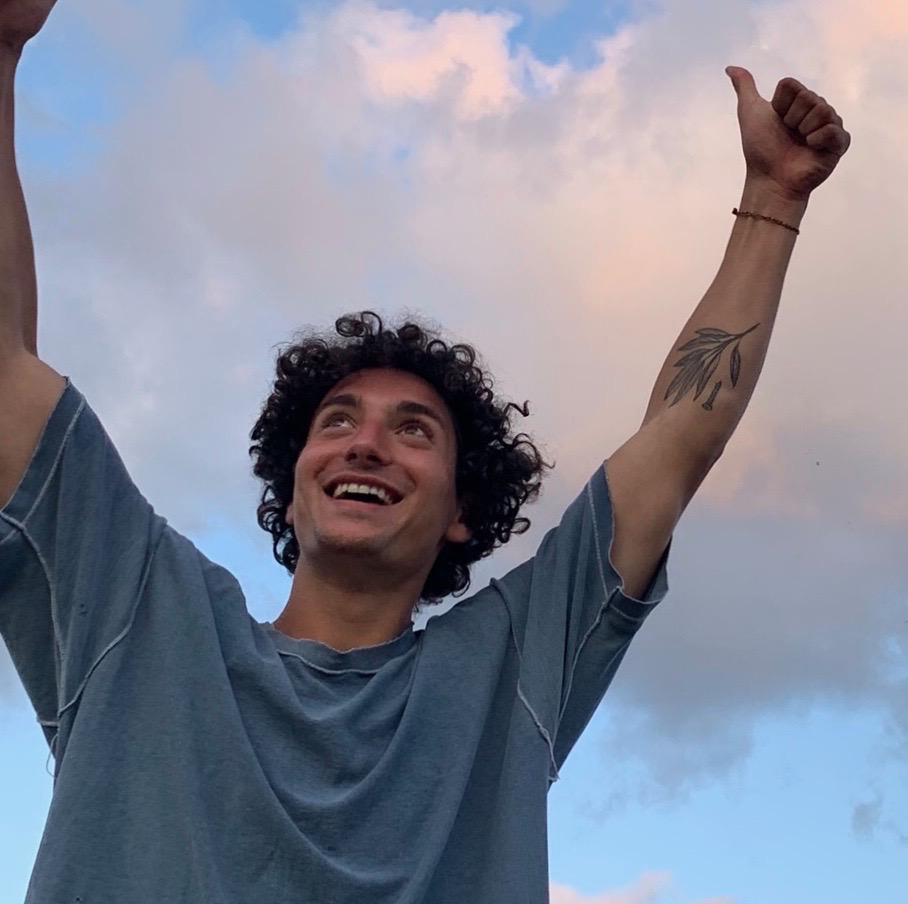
346 611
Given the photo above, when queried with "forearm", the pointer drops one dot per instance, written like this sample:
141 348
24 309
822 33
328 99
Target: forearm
708 379
18 286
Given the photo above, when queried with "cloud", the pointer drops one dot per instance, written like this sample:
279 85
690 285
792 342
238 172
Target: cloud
567 219
648 889
407 58
869 822
865 817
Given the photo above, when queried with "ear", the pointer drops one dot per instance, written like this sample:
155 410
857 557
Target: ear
288 515
457 531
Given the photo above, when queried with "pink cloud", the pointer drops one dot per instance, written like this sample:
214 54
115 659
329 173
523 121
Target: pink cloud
408 58
647 889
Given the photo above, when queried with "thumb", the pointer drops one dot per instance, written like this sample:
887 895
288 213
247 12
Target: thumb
743 82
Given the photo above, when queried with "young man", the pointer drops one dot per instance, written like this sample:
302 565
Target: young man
337 756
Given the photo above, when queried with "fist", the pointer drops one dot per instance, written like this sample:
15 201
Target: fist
793 142
21 20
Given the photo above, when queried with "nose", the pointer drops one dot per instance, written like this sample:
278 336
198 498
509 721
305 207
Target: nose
369 445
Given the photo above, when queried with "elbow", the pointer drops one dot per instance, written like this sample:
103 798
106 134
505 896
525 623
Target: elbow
701 458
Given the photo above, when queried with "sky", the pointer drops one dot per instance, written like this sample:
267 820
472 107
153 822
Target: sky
552 180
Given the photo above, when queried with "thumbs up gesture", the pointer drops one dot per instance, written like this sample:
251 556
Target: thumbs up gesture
792 143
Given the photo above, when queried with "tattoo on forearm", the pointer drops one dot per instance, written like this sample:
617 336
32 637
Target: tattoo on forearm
708 404
700 362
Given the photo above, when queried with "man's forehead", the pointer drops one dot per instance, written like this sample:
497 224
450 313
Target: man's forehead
391 387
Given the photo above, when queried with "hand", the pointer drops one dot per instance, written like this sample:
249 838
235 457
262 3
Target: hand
793 143
21 20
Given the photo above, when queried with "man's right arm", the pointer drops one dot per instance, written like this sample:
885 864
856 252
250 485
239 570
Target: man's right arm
29 389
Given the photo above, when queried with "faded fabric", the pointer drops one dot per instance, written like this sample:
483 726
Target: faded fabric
203 757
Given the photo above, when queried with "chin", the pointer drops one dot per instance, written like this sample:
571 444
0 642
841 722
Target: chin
351 542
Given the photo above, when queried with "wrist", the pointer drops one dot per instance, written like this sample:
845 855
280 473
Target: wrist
9 58
765 197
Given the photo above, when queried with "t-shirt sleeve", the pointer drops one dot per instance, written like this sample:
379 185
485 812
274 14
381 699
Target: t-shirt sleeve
571 619
75 543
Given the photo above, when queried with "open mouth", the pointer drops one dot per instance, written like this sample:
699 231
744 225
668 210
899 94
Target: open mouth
362 492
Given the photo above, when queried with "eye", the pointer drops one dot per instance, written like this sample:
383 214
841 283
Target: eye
417 428
336 419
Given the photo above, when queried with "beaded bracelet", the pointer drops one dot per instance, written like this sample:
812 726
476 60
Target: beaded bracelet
759 216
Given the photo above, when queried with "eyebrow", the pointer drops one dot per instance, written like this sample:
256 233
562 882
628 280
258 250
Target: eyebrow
344 400
350 400
419 408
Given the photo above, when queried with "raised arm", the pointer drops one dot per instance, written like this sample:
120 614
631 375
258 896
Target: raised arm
28 388
791 145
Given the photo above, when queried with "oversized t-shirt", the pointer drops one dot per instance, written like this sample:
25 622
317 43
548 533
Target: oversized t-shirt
204 757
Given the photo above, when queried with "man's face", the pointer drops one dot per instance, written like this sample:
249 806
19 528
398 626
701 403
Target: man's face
376 478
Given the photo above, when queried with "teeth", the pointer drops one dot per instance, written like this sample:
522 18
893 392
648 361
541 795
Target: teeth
362 489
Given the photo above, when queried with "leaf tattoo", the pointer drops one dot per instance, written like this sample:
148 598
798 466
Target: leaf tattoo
701 360
708 404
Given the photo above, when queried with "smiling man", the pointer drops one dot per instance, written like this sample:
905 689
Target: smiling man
337 755
375 501
389 468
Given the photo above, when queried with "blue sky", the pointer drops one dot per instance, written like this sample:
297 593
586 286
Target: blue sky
752 747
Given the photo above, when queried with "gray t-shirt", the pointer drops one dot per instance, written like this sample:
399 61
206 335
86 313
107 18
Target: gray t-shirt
204 757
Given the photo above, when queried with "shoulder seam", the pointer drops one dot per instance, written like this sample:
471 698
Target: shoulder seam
554 776
598 542
135 605
602 606
56 464
20 525
51 586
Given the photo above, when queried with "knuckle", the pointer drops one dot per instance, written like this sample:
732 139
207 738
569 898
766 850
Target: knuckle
809 98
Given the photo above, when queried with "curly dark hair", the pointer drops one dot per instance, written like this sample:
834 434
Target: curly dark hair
496 472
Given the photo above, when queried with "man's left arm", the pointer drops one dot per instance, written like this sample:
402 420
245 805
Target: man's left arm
791 145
